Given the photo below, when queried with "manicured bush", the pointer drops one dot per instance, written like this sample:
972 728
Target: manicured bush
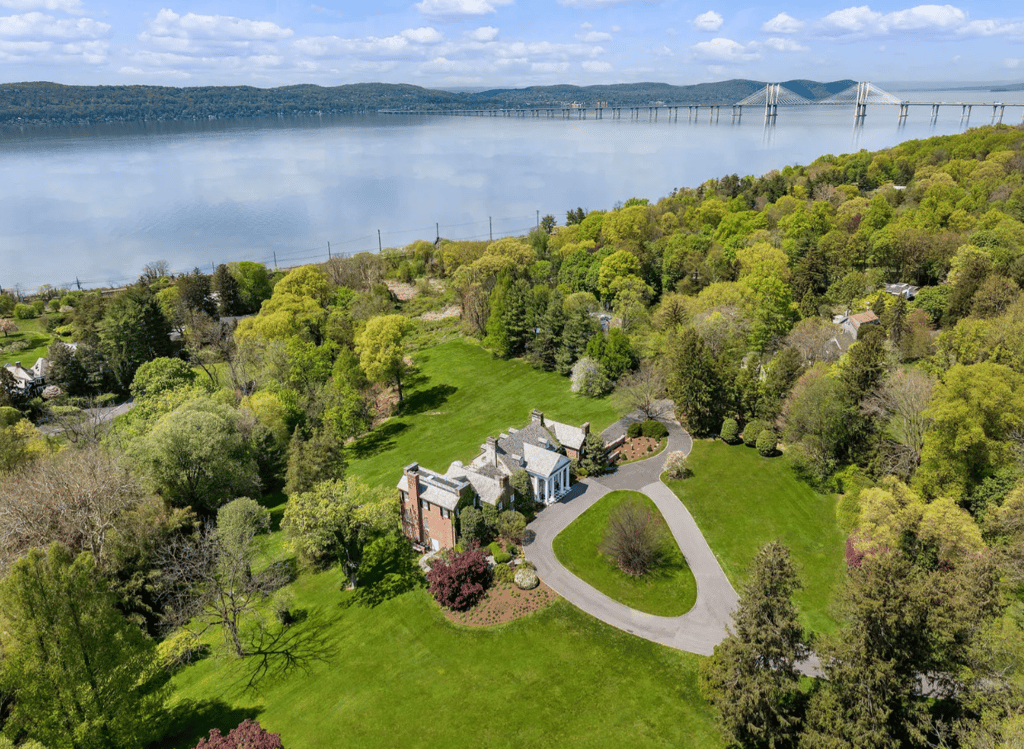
526 578
248 735
512 525
730 433
494 547
25 312
504 573
752 431
502 558
654 429
634 430
675 465
459 583
766 443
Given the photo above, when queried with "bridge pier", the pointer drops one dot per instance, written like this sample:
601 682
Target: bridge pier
935 112
904 111
737 111
1000 108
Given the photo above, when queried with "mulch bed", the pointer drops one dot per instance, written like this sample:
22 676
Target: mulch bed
503 602
637 447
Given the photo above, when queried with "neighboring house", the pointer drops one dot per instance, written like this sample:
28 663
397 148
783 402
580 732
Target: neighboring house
431 501
904 290
853 323
29 382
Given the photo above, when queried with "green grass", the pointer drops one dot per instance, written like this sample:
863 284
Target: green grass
401 674
460 395
34 334
668 591
742 501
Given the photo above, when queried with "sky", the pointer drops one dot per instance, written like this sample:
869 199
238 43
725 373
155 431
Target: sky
503 43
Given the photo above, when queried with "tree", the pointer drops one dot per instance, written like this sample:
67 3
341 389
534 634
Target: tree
460 582
643 390
588 379
225 286
320 457
380 349
160 375
336 520
247 735
901 402
819 418
133 331
195 456
694 384
388 569
594 460
522 489
81 675
752 678
205 581
7 326
239 521
634 538
254 284
864 363
580 327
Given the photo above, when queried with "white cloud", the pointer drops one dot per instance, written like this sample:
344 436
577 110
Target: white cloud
784 45
725 50
1011 63
423 35
483 34
709 21
991 27
595 36
586 25
37 25
604 3
595 66
549 67
88 52
782 24
665 51
862 20
616 29
74 7
192 26
459 8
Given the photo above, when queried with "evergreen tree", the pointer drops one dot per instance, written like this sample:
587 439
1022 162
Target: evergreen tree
579 329
545 344
517 317
80 673
865 363
133 331
497 330
783 372
896 323
229 301
693 383
752 678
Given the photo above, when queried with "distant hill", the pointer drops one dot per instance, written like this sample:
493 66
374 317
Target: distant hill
53 103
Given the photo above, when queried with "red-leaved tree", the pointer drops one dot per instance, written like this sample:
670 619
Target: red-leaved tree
460 582
248 735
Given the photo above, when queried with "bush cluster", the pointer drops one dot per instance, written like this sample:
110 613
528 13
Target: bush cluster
649 428
752 431
766 443
730 433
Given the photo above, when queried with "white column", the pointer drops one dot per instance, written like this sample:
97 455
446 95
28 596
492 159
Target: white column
551 494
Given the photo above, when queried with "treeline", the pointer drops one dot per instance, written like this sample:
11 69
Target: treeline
52 103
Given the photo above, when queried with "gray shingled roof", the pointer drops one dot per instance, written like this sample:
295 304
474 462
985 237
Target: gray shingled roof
510 446
541 461
486 487
439 490
566 434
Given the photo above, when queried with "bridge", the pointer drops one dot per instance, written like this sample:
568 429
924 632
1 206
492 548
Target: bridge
767 99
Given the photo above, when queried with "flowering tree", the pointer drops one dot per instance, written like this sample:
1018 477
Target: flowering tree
248 735
587 378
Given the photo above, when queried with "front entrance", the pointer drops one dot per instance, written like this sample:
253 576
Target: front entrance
434 544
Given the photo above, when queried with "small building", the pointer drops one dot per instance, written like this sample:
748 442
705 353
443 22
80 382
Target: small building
431 501
28 383
853 323
904 290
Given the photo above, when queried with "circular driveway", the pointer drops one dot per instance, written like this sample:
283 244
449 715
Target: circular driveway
698 630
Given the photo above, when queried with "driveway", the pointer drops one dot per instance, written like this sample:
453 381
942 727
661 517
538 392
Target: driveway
697 631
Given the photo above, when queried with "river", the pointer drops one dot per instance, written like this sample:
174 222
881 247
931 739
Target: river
94 204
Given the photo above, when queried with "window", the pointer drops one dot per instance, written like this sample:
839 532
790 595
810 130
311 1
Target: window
424 505
426 524
408 515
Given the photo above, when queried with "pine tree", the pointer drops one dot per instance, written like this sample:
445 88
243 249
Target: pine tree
229 302
752 678
694 384
579 329
544 347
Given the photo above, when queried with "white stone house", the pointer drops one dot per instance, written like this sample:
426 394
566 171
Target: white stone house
29 382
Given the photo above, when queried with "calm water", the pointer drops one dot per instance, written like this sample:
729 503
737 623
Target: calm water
97 203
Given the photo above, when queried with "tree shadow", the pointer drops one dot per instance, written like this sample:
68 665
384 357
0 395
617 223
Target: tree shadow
275 650
377 441
191 720
430 399
274 502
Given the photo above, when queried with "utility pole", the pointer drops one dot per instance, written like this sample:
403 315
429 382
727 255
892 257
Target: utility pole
275 259
380 247
328 250
490 222
538 218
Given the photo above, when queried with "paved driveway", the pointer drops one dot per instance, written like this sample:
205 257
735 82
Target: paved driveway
697 631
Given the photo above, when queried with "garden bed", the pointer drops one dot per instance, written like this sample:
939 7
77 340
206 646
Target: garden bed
503 602
640 448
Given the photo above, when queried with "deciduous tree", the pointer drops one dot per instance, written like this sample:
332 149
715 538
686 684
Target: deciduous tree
380 349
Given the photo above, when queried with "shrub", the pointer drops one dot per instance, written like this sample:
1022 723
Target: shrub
675 465
248 735
634 430
654 429
766 443
25 312
504 573
459 583
730 433
634 538
752 430
178 650
502 558
494 547
512 525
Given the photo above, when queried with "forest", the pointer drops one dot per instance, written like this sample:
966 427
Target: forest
53 103
759 304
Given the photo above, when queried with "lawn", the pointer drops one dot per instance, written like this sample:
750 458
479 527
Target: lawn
742 501
401 674
669 590
31 332
460 395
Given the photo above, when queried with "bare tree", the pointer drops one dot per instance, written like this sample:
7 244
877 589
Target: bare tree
76 497
643 391
901 400
153 271
811 338
634 538
204 580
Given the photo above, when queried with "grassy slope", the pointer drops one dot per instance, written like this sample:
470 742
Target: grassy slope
669 591
460 396
33 333
402 675
741 501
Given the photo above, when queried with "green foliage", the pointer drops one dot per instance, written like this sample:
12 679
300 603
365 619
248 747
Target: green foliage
694 383
471 526
767 443
132 332
730 433
25 312
752 430
511 525
634 430
81 675
380 349
239 521
320 457
653 429
160 375
178 650
594 459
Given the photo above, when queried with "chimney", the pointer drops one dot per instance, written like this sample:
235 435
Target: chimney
412 478
585 428
537 417
490 448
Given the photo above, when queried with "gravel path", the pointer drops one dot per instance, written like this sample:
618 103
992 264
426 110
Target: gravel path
697 631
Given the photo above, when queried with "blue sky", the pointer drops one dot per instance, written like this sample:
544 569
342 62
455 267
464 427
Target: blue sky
503 43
